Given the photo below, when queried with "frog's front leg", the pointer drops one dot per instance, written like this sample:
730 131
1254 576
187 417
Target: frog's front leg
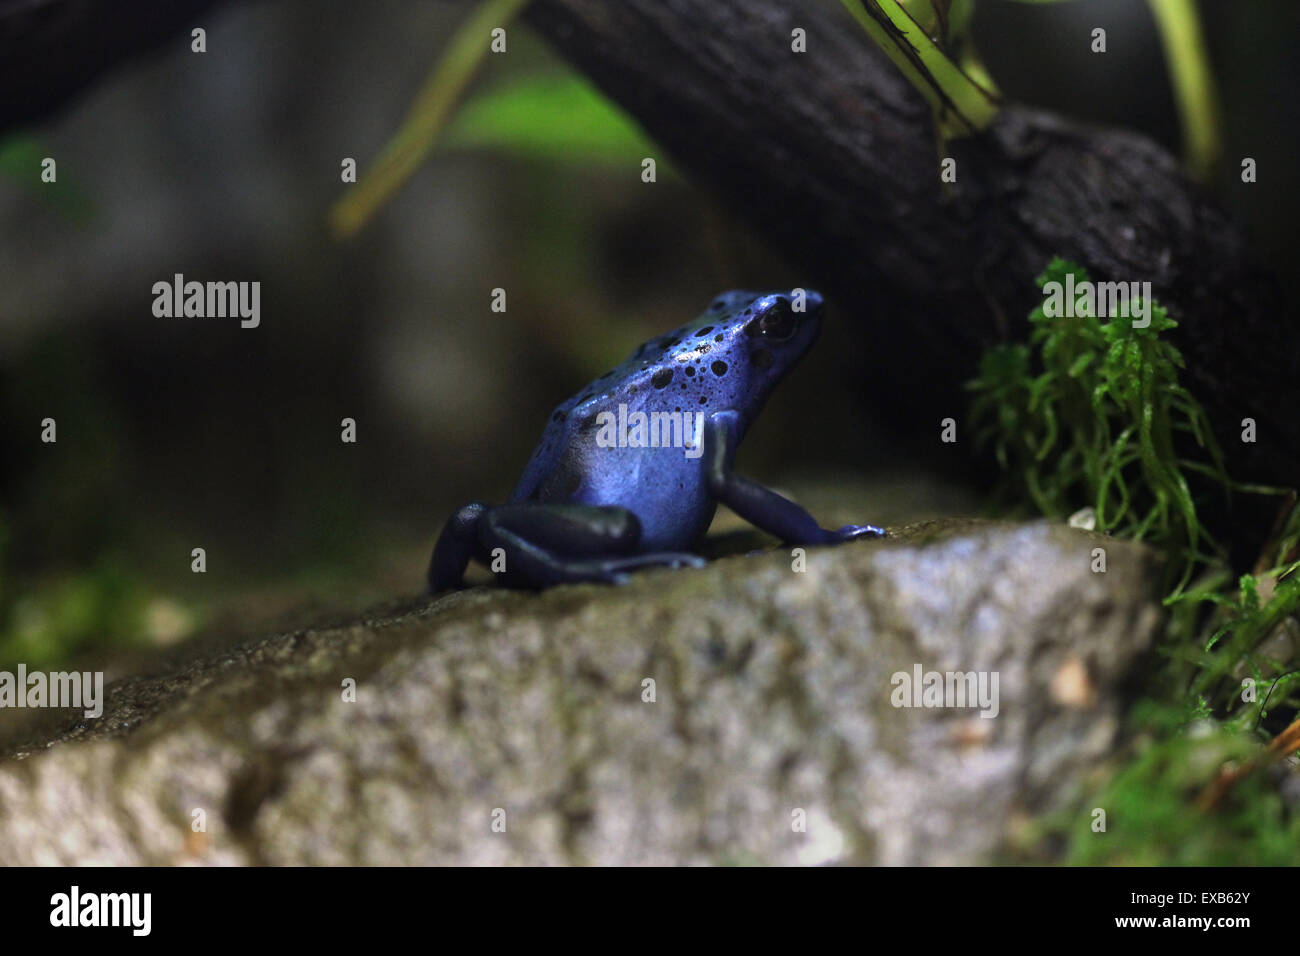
760 506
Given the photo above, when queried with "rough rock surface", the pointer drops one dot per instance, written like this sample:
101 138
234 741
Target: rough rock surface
772 695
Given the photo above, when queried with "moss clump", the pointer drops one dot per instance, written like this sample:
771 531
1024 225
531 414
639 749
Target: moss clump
1152 813
1089 413
1086 415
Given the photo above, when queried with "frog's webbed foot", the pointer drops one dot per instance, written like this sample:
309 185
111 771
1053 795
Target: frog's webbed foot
546 544
617 570
760 506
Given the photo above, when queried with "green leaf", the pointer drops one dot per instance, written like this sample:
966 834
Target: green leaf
960 104
20 161
426 119
560 119
1190 76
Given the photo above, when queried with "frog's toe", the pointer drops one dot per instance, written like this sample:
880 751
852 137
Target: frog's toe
660 559
851 532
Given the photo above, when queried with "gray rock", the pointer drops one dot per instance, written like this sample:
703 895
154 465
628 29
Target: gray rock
772 696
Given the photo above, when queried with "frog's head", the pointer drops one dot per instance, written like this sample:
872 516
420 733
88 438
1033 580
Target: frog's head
772 329
732 355
759 336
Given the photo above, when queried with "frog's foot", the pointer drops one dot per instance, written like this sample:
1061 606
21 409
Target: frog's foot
617 570
851 532
658 559
531 565
760 506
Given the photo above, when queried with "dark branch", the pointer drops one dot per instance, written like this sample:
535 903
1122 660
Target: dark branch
51 50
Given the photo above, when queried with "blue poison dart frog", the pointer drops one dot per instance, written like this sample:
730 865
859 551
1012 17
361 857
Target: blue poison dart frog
630 471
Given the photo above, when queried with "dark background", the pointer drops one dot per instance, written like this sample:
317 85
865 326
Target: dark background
177 433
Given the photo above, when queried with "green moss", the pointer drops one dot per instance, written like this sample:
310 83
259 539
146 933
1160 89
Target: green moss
1152 817
1086 415
1090 413
47 621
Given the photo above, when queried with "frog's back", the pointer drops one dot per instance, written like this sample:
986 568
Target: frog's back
728 359
675 381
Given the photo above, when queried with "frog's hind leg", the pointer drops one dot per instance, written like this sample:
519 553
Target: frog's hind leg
456 545
548 544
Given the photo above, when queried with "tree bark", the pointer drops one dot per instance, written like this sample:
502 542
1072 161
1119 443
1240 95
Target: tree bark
51 50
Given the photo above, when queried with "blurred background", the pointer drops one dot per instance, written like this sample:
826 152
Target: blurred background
182 433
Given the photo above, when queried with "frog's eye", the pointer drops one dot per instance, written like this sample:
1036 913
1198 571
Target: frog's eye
776 324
